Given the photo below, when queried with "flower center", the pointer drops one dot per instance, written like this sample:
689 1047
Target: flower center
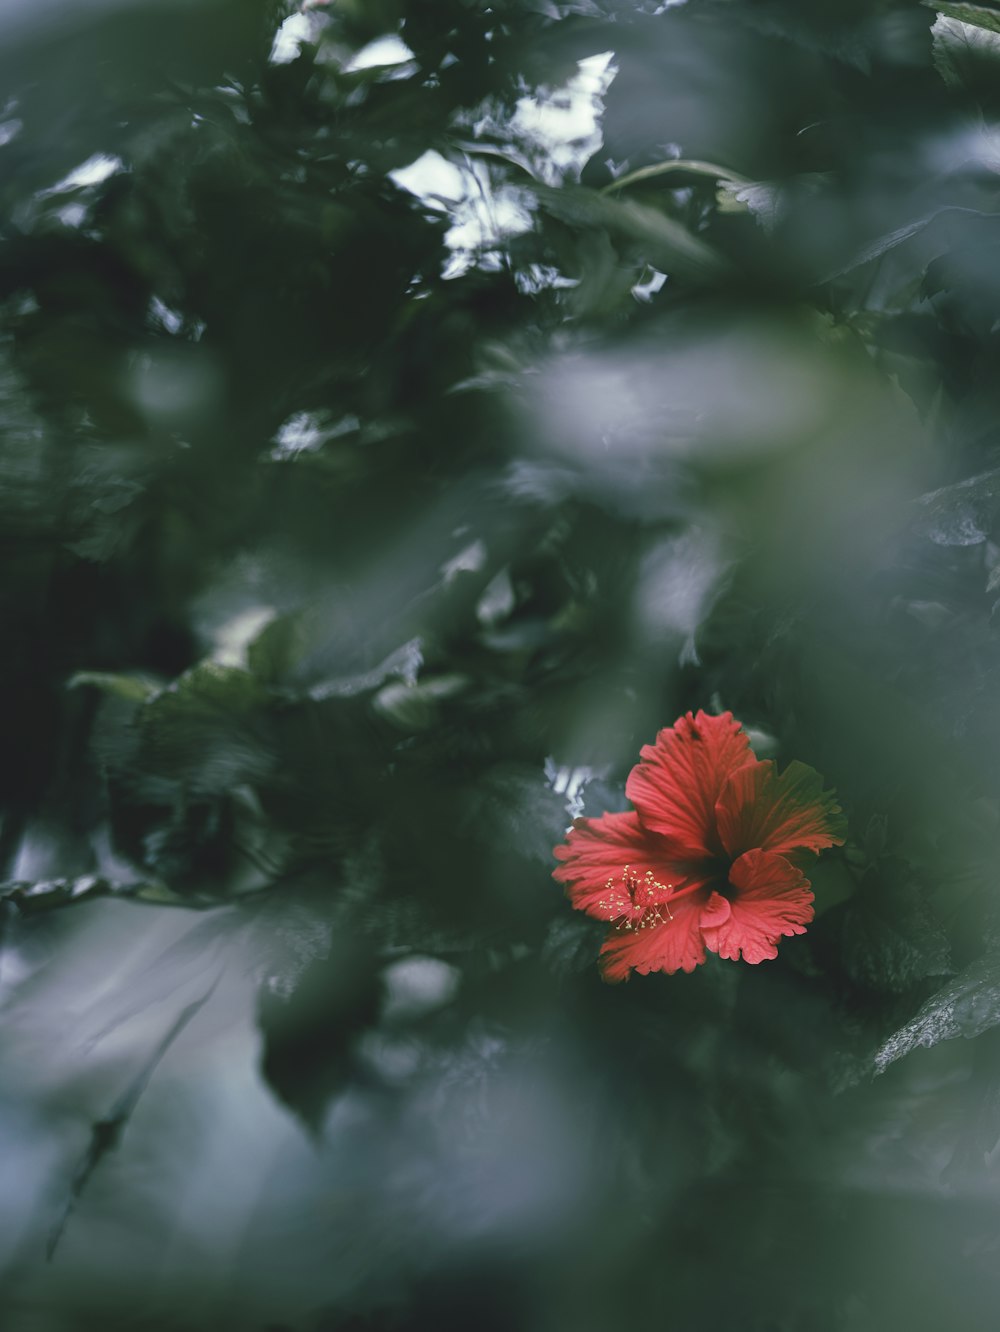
639 901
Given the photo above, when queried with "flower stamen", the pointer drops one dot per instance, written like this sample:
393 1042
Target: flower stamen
638 901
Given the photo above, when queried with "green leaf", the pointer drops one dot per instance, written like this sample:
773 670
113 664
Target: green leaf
668 244
891 940
762 199
205 692
404 663
571 945
883 244
131 688
966 1006
301 652
979 16
512 808
964 514
966 49
309 1029
416 707
205 729
284 646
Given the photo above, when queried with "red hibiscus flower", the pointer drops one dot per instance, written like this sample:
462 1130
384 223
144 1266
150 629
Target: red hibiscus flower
707 859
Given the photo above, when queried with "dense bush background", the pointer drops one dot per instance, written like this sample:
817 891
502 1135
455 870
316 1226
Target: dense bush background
361 521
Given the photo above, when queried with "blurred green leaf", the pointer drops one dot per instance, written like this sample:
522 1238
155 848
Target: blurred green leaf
666 243
131 688
415 707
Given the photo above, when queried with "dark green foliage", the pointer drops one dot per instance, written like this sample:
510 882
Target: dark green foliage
890 939
360 524
308 1033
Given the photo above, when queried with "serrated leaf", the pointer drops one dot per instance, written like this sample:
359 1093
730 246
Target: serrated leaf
979 16
203 730
963 49
764 200
966 1006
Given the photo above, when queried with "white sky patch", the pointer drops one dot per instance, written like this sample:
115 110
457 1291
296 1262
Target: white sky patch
234 637
295 30
533 278
482 217
161 314
307 432
470 559
94 171
439 183
563 126
555 133
388 50
297 433
485 219
652 281
569 782
301 433
72 215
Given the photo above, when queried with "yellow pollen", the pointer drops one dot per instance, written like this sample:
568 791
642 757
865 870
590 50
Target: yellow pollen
640 917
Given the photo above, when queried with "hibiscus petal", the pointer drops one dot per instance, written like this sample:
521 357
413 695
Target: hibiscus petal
769 898
716 911
757 808
678 780
674 946
598 850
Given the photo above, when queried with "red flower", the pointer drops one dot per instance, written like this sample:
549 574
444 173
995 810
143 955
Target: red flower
707 858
